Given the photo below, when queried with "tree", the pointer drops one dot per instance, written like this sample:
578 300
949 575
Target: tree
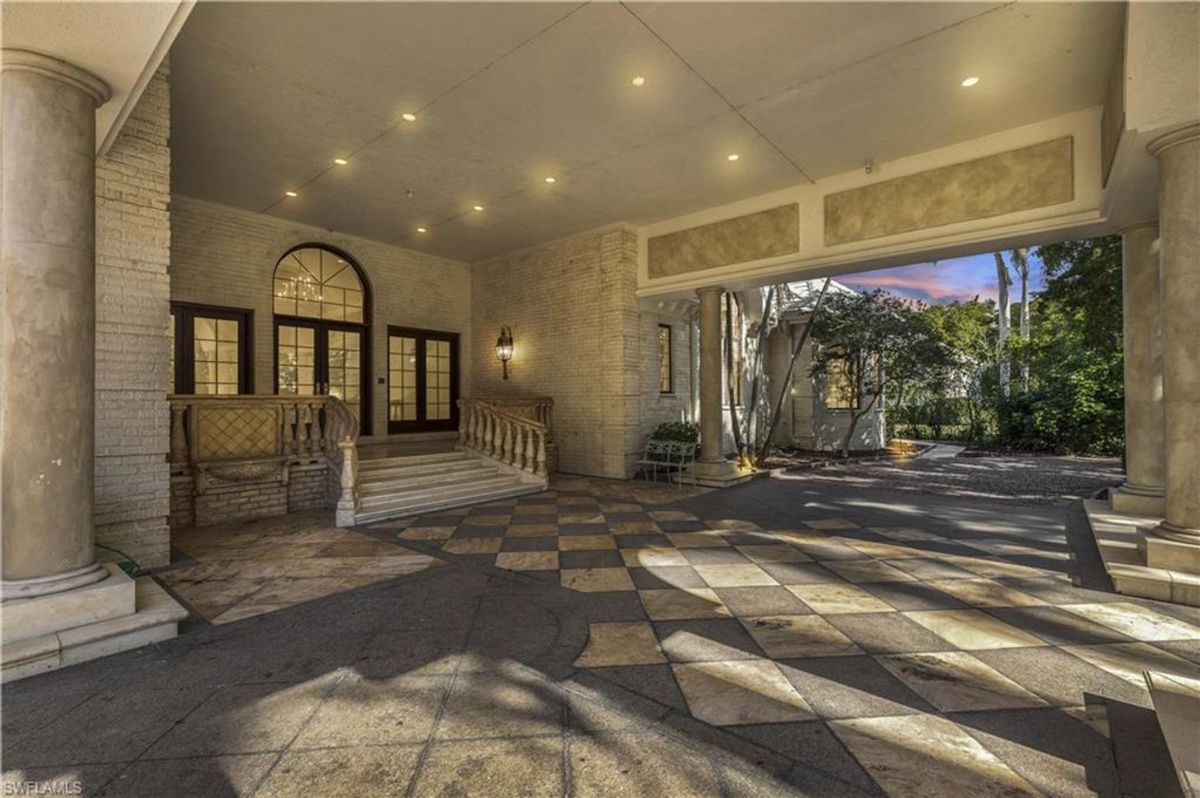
1003 310
968 330
878 342
1020 258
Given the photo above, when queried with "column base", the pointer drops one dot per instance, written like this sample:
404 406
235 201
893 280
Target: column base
718 474
1164 546
1125 543
45 585
45 633
1133 500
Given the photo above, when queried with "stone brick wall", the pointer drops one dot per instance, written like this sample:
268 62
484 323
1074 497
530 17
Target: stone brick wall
226 257
573 310
133 242
310 486
656 407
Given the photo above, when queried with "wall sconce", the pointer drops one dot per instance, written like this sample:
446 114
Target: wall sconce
504 348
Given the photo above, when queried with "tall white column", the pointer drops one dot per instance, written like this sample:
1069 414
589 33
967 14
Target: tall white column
47 323
1142 492
712 468
1178 156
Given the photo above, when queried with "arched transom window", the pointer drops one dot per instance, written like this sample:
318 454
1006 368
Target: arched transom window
316 283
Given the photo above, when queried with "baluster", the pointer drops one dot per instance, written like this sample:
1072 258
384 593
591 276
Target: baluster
178 438
463 420
508 443
314 428
541 454
474 439
497 438
297 427
347 504
485 444
518 460
530 455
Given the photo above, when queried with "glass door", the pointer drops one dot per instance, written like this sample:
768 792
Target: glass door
316 358
422 380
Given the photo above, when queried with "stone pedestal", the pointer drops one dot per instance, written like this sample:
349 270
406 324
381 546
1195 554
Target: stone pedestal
1142 493
711 469
59 604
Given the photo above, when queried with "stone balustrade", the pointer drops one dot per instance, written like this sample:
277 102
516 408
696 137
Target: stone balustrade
534 408
511 438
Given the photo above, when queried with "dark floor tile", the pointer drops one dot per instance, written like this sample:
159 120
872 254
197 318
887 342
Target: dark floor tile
909 596
662 577
655 682
623 517
604 558
614 606
583 529
799 573
714 556
746 602
394 652
489 647
851 687
469 531
529 544
682 526
643 541
706 641
1059 677
887 633
823 765
237 774
525 519
1055 752
1057 626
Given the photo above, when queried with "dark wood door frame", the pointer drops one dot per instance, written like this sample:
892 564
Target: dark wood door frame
321 329
183 313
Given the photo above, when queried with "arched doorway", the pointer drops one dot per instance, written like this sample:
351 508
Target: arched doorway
322 306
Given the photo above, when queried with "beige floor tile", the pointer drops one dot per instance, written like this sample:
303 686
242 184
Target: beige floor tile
620 507
427 533
1129 661
527 767
531 531
1136 621
928 756
835 599
680 605
397 564
651 557
734 575
732 524
472 545
288 590
985 593
586 542
777 552
955 681
994 568
830 523
696 540
330 772
631 765
862 571
785 636
875 548
527 560
671 515
364 711
596 580
580 518
246 610
905 533
973 630
625 643
740 692
634 528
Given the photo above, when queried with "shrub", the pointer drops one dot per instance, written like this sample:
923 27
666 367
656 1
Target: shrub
682 431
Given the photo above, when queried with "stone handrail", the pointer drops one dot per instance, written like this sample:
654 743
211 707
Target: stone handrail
534 408
207 428
512 439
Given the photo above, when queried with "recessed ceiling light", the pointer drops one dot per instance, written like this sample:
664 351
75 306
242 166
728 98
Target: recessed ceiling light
639 81
422 230
409 117
551 179
969 82
340 161
478 207
733 156
291 193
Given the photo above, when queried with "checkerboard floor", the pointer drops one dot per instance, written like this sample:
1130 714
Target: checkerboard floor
918 650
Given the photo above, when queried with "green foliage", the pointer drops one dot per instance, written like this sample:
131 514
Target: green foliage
682 431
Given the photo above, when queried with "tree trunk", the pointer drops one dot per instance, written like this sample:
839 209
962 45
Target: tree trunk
1021 260
730 376
1002 308
785 389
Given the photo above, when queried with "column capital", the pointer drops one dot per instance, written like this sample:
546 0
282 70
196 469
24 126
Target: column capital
1145 224
1181 135
710 289
63 72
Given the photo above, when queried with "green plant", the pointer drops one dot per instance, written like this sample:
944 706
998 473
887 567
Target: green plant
682 431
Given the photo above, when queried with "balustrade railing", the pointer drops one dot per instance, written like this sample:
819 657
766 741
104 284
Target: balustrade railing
207 429
534 408
496 432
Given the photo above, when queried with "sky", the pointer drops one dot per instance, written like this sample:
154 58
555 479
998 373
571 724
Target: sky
941 282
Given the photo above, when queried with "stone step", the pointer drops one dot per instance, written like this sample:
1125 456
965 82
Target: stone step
434 491
400 473
383 463
433 504
427 482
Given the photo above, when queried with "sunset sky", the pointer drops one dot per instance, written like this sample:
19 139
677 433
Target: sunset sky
948 280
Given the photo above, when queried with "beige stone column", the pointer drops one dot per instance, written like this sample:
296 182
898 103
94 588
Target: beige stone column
1178 156
712 467
1142 492
47 323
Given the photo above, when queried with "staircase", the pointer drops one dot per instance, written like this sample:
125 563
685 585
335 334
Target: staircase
392 487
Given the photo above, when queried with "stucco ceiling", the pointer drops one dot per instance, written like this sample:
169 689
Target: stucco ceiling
267 95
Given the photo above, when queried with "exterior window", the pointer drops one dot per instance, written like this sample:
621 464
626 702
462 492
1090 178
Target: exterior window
731 336
839 386
317 283
422 380
210 350
665 362
322 339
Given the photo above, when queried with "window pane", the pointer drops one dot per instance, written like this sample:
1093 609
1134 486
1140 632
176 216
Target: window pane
319 284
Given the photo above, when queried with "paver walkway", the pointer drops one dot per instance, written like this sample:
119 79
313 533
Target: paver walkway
780 638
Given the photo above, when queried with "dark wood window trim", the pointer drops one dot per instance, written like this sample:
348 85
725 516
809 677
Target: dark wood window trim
421 424
670 360
183 314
